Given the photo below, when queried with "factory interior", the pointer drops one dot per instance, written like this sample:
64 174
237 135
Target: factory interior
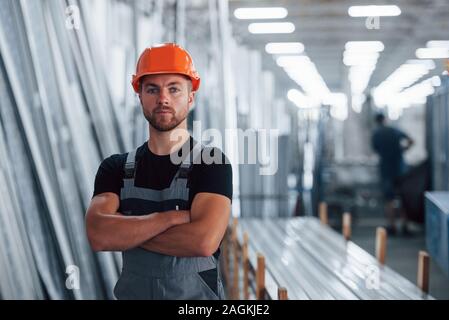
334 115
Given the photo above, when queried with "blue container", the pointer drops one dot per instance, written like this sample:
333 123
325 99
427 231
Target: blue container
437 226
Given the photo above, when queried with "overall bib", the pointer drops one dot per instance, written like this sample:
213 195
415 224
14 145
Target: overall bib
150 275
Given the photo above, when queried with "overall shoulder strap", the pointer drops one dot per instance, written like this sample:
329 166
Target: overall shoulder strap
130 165
189 160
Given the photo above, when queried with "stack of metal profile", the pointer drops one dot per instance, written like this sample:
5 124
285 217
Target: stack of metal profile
314 262
56 125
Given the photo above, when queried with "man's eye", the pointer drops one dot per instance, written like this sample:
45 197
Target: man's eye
152 90
174 90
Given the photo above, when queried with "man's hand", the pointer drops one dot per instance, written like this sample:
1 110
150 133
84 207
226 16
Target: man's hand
408 143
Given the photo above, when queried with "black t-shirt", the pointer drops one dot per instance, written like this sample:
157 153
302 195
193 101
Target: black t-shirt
156 172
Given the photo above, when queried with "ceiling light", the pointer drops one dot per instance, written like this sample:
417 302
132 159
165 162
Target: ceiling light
432 53
361 54
293 61
352 58
339 105
272 27
356 61
374 11
298 98
436 81
429 64
284 48
376 46
260 13
438 44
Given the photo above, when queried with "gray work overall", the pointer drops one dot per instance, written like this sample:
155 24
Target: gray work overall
150 275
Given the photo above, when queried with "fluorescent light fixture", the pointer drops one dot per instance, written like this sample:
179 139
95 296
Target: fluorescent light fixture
293 61
336 98
374 11
339 105
284 48
271 27
361 57
432 53
438 44
395 92
354 58
416 94
361 54
359 77
298 98
429 64
436 81
394 113
355 61
418 69
260 13
304 73
376 46
357 102
301 100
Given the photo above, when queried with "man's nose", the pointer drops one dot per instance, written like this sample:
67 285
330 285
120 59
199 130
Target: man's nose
163 97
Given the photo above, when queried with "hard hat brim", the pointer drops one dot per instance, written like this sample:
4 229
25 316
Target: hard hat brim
136 79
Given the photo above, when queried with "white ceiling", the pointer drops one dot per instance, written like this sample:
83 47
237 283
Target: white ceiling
324 27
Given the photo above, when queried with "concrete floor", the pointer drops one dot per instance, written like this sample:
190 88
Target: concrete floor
402 254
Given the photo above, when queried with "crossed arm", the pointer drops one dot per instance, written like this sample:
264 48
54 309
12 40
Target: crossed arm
197 232
209 217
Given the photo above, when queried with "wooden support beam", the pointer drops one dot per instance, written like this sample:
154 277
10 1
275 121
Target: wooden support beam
323 213
381 244
245 261
282 293
423 271
347 225
260 277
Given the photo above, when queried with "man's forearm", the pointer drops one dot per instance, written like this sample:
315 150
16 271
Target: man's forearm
199 238
117 232
186 240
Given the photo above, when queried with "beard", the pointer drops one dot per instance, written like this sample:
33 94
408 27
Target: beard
165 122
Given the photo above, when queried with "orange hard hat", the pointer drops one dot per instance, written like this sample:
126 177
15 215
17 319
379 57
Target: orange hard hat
165 58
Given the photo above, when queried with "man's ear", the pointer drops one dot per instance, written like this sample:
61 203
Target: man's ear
191 98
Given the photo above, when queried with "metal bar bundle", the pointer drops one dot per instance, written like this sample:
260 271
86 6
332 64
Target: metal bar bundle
312 261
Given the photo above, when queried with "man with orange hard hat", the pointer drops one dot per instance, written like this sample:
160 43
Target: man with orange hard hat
162 205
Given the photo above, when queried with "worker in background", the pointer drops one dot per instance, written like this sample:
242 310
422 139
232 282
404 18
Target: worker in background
166 217
390 143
